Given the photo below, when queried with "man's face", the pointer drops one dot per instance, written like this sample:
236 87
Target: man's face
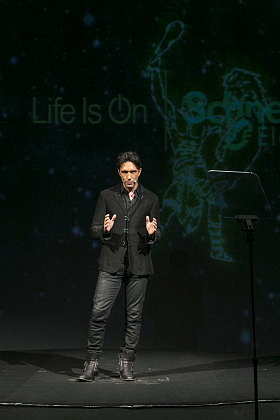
129 173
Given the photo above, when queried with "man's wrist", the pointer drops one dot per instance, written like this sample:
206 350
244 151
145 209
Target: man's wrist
150 238
106 234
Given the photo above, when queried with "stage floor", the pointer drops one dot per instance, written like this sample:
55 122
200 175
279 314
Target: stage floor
163 378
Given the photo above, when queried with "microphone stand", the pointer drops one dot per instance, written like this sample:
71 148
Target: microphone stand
248 223
252 198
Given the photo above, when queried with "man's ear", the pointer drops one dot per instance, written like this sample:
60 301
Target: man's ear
140 170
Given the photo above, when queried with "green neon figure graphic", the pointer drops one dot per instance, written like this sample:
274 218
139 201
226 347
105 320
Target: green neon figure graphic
201 139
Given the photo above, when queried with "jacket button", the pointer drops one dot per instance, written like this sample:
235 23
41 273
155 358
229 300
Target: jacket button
122 243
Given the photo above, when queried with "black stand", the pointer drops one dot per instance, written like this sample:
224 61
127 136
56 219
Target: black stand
248 223
241 196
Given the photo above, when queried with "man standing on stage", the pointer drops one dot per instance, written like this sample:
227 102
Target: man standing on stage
126 221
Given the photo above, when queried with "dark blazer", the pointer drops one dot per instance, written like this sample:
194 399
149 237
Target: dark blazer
139 241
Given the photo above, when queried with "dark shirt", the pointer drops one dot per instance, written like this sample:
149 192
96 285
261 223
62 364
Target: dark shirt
130 203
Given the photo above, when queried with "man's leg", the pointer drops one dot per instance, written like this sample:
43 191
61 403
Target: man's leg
135 291
106 291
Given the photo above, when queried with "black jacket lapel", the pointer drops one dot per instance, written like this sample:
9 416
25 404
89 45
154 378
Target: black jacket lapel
119 201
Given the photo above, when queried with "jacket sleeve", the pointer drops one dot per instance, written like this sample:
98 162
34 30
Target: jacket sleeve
97 224
155 212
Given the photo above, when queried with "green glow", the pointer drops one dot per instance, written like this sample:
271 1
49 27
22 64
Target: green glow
228 133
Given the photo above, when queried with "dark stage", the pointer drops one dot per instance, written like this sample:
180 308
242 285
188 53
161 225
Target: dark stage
164 379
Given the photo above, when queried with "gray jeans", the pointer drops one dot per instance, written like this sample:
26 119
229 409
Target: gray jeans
107 289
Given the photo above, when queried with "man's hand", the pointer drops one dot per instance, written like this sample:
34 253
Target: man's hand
109 223
151 226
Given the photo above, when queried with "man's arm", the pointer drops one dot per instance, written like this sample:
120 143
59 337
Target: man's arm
97 225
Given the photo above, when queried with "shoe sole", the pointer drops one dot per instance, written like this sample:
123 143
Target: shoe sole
80 379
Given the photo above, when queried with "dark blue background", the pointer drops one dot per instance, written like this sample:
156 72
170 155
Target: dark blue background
52 173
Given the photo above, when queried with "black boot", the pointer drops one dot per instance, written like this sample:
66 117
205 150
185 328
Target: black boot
126 369
90 371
